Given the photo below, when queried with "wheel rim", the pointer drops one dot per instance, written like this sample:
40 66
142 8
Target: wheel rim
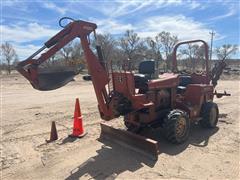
213 116
181 127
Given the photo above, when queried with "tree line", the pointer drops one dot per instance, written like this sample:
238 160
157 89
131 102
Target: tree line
128 49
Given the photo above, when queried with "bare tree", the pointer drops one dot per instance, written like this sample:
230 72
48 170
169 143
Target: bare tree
195 57
154 51
132 47
108 45
72 54
67 51
226 51
8 54
155 48
168 42
129 43
52 61
191 52
200 54
77 50
77 54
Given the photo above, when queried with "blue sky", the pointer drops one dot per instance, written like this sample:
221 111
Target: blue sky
28 24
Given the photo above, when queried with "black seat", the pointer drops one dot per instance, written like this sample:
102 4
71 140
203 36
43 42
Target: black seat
140 80
147 67
146 72
184 81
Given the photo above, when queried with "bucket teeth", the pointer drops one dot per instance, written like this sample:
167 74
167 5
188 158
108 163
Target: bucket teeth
140 144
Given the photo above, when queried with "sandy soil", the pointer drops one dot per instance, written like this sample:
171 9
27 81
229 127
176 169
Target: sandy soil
25 124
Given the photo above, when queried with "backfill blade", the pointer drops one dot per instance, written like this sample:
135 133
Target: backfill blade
138 143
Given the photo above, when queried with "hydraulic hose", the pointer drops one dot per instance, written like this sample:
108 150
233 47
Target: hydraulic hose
65 18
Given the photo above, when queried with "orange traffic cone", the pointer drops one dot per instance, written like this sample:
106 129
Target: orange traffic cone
53 135
78 130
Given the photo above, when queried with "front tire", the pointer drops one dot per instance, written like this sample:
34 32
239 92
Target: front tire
176 127
209 114
131 127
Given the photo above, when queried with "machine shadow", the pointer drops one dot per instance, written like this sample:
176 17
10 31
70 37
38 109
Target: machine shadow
113 159
110 161
198 137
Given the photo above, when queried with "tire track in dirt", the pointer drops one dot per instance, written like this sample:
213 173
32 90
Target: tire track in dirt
89 119
213 156
27 137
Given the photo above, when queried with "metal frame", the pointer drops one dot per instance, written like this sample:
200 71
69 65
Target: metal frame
174 61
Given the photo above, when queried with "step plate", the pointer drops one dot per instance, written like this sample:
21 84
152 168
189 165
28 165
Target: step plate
141 144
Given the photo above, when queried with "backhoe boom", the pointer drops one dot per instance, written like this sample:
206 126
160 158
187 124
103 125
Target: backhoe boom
76 29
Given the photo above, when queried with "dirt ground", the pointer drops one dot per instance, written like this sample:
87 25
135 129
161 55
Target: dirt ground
26 117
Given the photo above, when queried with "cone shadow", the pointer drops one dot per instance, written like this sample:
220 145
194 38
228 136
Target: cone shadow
68 139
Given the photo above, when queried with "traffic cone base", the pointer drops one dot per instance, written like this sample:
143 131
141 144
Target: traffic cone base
79 136
53 135
78 130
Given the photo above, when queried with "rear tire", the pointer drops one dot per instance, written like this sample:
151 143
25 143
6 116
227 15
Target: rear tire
176 127
209 114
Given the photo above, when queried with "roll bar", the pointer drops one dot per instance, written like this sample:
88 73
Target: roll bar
174 60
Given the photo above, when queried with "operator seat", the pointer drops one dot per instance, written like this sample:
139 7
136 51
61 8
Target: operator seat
146 72
184 80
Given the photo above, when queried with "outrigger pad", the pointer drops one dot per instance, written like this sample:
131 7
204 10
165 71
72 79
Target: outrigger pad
140 144
50 80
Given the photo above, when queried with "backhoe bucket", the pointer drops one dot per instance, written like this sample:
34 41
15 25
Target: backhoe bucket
140 144
53 80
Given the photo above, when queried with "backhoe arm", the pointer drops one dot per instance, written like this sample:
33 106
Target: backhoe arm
29 68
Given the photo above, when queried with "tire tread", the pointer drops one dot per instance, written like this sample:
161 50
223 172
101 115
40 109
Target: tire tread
169 126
